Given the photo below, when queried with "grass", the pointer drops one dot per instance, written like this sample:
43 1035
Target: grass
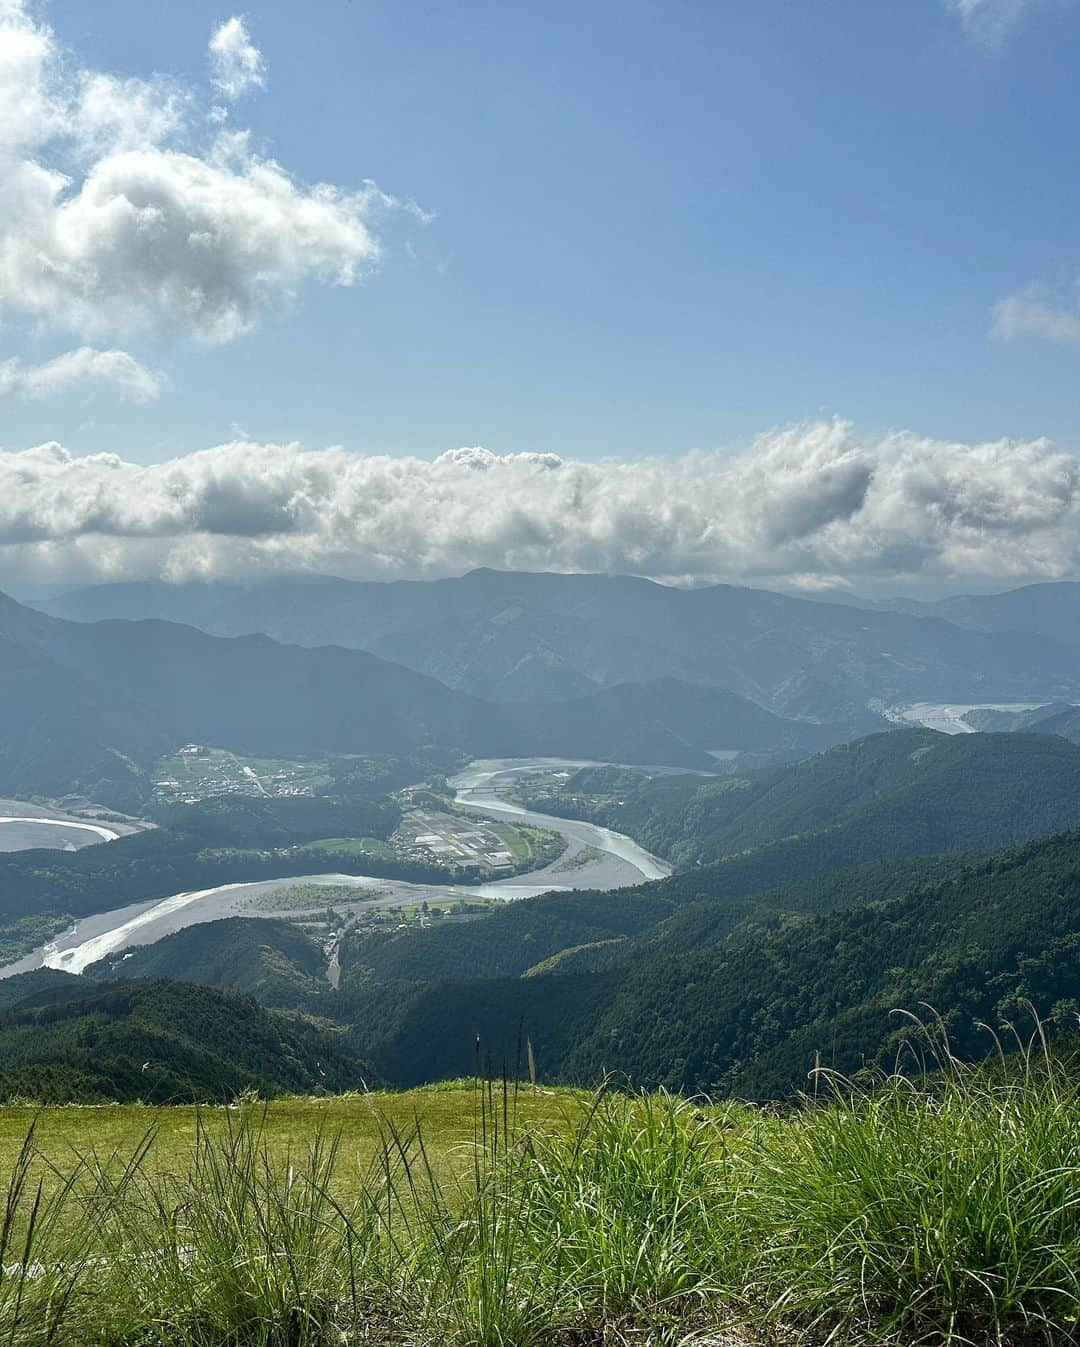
358 1122
351 848
939 1212
310 897
531 848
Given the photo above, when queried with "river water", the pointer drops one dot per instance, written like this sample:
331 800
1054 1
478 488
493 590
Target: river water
613 861
948 717
24 826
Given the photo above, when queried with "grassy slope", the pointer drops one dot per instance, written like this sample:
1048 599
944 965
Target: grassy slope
444 1111
937 1215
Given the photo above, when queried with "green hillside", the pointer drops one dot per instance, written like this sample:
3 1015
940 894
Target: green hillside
739 1000
160 1041
269 959
900 793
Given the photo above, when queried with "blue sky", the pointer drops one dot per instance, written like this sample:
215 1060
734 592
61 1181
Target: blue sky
657 226
617 231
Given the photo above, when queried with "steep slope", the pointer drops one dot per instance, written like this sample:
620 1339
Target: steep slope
1065 722
269 959
901 793
749 1010
508 636
751 1017
161 1042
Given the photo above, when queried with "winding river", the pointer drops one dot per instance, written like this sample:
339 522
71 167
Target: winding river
612 860
21 829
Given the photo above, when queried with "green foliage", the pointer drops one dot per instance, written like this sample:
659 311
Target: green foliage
265 958
730 996
748 1017
504 942
942 1214
160 1041
902 793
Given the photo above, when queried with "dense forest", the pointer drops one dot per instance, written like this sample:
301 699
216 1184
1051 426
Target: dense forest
903 792
264 957
696 1004
64 1038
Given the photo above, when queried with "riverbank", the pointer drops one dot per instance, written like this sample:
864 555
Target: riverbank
615 861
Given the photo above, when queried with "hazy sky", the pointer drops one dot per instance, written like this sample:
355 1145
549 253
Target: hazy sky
776 291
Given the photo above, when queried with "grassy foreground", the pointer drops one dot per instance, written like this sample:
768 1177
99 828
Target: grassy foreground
477 1217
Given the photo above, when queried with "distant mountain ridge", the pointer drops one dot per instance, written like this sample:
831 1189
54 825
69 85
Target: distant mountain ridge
1050 610
535 637
90 705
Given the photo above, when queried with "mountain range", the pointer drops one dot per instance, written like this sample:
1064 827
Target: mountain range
89 705
843 887
536 638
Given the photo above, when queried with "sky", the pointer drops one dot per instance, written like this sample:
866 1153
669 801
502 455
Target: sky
770 293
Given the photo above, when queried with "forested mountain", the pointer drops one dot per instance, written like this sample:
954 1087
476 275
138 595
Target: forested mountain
745 1010
750 1019
269 959
160 1042
88 706
512 636
906 792
1050 610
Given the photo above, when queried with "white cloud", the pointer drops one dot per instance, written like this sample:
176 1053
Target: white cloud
126 210
990 21
1025 316
814 504
83 365
112 115
237 64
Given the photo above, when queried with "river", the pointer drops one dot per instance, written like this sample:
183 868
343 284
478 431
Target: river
613 861
25 826
948 717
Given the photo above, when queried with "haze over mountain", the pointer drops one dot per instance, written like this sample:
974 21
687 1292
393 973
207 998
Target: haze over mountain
537 637
1050 610
90 705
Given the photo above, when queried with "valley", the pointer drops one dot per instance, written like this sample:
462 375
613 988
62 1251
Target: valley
608 860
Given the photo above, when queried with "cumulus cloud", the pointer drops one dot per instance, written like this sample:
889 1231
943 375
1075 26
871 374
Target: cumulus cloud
85 365
1026 316
127 210
237 64
813 505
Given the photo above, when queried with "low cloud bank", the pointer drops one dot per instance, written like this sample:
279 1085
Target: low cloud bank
813 505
